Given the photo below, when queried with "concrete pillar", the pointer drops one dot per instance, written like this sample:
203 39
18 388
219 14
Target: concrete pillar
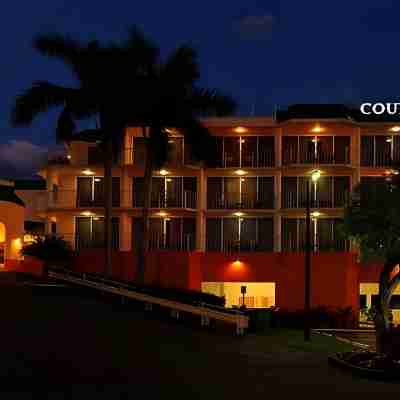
126 189
278 147
277 232
125 232
201 208
278 191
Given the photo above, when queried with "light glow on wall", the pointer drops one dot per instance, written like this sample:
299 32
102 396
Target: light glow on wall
2 232
317 128
87 213
87 172
240 172
240 129
395 129
164 172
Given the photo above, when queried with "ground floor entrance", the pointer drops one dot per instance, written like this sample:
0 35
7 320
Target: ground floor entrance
257 294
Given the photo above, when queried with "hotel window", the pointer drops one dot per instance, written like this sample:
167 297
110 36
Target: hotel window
239 234
325 235
95 155
166 233
90 192
244 151
139 151
240 192
90 233
315 150
380 150
167 192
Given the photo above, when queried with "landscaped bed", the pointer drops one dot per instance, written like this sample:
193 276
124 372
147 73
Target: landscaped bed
368 364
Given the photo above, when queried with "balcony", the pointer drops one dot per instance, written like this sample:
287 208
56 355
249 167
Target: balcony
380 151
329 192
315 150
186 242
187 200
237 200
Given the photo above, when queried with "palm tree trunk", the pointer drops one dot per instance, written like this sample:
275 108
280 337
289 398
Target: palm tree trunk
145 225
108 205
382 321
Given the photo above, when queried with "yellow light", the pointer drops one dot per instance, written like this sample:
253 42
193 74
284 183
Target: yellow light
317 128
240 172
69 156
242 141
315 140
164 172
240 129
169 180
395 129
86 213
238 214
96 218
87 172
2 232
389 172
242 179
315 175
388 139
28 238
17 244
162 214
97 179
315 214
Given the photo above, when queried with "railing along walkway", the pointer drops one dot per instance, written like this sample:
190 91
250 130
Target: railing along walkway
206 311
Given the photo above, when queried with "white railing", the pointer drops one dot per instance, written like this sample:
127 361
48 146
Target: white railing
205 311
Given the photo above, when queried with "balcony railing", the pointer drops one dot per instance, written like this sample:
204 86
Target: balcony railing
236 200
235 246
249 159
293 156
292 243
188 200
185 242
325 200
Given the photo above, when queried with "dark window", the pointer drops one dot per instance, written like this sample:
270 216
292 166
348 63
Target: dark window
215 193
139 151
375 300
95 155
231 151
363 301
90 232
84 192
213 234
249 151
266 151
395 302
290 149
367 151
266 192
342 149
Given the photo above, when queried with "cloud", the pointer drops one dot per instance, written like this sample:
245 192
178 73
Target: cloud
20 158
254 27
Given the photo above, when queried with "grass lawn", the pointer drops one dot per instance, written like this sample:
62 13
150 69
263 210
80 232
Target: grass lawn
86 345
289 340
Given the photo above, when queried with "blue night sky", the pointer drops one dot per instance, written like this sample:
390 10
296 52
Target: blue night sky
263 53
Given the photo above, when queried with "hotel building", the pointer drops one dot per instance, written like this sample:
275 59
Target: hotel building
249 207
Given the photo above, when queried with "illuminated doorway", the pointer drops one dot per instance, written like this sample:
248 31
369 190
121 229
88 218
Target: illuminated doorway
258 294
2 245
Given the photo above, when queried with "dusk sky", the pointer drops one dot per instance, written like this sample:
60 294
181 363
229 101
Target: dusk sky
264 53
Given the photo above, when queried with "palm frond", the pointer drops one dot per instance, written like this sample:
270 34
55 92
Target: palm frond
64 48
211 102
65 126
41 97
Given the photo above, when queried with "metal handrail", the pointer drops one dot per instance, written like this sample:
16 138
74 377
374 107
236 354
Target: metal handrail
206 311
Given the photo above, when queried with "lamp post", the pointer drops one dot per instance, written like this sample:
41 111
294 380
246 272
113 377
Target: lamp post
315 175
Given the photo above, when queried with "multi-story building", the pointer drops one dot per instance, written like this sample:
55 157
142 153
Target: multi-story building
251 203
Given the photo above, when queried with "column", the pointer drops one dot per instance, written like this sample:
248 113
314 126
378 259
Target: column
277 215
356 157
125 232
201 208
126 189
278 147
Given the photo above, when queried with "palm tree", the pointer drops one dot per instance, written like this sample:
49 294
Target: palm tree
104 74
170 98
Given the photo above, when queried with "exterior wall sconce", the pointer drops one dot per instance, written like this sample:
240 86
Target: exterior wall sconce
87 172
240 129
164 172
240 172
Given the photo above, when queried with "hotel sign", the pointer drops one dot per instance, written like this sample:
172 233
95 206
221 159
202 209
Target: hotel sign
380 108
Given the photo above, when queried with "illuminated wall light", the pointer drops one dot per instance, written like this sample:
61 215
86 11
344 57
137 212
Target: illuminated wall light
69 156
238 214
240 129
87 172
162 214
395 129
315 175
388 139
86 213
315 214
17 244
243 141
240 172
164 172
97 179
96 218
317 128
28 238
169 180
242 179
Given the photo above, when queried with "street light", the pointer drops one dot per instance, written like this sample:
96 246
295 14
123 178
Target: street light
315 175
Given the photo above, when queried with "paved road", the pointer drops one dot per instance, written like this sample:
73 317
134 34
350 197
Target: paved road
83 345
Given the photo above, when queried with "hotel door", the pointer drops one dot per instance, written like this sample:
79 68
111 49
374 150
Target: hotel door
2 254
